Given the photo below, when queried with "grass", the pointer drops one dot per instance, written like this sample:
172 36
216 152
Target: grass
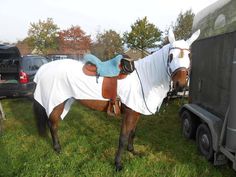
89 141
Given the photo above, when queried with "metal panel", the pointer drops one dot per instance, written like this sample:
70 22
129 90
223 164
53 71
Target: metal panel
231 126
211 72
218 18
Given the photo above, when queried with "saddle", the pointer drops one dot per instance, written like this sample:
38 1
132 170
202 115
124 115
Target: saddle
112 70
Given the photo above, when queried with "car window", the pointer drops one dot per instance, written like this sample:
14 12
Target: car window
33 63
27 64
44 60
36 63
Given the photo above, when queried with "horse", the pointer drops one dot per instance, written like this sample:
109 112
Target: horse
141 92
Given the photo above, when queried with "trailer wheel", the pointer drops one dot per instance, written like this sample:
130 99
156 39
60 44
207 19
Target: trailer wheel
189 125
204 141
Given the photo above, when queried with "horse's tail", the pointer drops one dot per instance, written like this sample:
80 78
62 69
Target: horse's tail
41 118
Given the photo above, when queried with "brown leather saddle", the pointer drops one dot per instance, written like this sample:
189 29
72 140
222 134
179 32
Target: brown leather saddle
109 85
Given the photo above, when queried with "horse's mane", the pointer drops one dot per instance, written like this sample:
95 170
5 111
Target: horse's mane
154 66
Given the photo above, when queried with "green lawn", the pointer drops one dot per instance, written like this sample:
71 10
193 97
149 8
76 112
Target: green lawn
89 141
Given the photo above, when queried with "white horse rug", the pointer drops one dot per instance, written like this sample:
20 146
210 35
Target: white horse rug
64 80
143 90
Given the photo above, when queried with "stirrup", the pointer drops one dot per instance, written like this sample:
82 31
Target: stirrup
114 108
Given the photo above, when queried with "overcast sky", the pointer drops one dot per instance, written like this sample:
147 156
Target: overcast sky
91 15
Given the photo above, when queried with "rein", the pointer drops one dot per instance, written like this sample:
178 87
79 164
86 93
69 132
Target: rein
143 92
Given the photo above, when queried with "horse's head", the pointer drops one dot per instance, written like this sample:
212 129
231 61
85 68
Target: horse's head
179 60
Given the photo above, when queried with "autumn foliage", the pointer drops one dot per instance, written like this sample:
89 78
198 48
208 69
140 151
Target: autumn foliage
74 41
43 36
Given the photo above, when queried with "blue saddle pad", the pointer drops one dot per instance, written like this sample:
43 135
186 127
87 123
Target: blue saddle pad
109 68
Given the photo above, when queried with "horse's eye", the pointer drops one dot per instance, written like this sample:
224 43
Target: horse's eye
171 58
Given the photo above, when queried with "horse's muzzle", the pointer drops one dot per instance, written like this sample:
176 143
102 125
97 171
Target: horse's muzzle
180 79
178 87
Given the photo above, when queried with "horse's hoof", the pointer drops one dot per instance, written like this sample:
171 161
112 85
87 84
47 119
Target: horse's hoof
119 168
57 149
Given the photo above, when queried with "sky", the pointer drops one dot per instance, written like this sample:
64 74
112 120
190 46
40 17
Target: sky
92 16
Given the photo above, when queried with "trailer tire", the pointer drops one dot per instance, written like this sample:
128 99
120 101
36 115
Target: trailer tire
189 125
204 141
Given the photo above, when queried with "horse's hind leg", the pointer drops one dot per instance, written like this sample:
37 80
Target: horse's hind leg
41 118
53 121
127 134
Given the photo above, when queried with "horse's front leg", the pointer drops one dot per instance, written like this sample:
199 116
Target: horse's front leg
53 126
127 134
130 146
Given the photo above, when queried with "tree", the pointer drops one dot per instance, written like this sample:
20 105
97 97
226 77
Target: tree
43 36
143 35
74 41
107 45
25 46
183 25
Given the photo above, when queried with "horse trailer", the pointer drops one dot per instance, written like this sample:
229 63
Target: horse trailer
210 115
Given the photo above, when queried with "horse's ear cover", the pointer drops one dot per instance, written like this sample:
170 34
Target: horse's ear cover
193 37
171 36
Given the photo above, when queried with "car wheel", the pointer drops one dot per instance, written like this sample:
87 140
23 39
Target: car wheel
204 141
189 124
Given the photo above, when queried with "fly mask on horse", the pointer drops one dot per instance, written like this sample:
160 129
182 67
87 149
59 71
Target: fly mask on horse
178 63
